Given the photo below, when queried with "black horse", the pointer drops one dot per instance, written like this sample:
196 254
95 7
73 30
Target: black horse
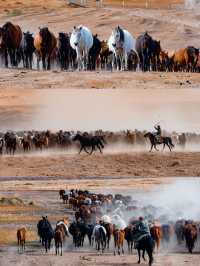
88 141
45 232
27 49
10 142
94 52
146 243
163 140
64 50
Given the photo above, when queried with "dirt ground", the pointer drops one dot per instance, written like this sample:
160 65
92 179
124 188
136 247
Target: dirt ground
136 164
25 100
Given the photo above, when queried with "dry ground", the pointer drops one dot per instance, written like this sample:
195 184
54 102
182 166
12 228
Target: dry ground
108 165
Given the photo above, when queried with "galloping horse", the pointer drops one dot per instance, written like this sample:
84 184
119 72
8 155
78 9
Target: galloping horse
87 141
10 40
163 140
121 43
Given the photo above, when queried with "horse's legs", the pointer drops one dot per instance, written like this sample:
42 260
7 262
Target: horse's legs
98 146
155 147
151 148
139 256
80 149
49 63
143 255
150 254
164 146
169 147
61 248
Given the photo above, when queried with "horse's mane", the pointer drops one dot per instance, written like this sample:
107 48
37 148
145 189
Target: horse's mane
121 32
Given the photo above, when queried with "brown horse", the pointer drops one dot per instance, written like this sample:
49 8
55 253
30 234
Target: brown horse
21 238
119 236
156 234
190 233
45 44
186 59
10 40
58 238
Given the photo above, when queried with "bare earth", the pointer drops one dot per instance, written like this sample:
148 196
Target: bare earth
108 165
41 100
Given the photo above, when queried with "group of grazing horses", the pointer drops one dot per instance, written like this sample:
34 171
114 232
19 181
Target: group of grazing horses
82 50
99 217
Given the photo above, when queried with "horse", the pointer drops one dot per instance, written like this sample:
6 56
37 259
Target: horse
21 239
41 140
45 232
10 142
163 140
76 234
60 232
148 51
10 40
63 50
144 243
179 231
81 40
166 233
119 235
45 44
132 61
26 144
156 234
94 52
109 232
121 43
27 49
190 234
99 236
87 141
1 145
129 237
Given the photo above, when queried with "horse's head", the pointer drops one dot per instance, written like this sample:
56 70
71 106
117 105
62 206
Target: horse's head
76 35
45 34
76 137
118 37
146 135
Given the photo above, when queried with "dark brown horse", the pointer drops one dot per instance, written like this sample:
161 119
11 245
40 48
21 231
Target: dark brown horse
190 233
148 50
45 44
10 40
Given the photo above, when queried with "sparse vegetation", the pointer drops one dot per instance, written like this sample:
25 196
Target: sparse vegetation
14 12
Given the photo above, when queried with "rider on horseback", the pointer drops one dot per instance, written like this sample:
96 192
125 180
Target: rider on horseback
143 229
158 132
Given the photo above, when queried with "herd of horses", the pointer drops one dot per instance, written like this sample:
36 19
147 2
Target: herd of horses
100 218
27 141
82 50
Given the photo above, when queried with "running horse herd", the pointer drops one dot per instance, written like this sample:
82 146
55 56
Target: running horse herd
101 218
27 141
80 49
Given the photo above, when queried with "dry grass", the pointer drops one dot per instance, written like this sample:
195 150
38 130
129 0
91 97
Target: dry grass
8 236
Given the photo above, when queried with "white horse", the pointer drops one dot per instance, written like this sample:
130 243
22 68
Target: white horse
121 43
81 40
